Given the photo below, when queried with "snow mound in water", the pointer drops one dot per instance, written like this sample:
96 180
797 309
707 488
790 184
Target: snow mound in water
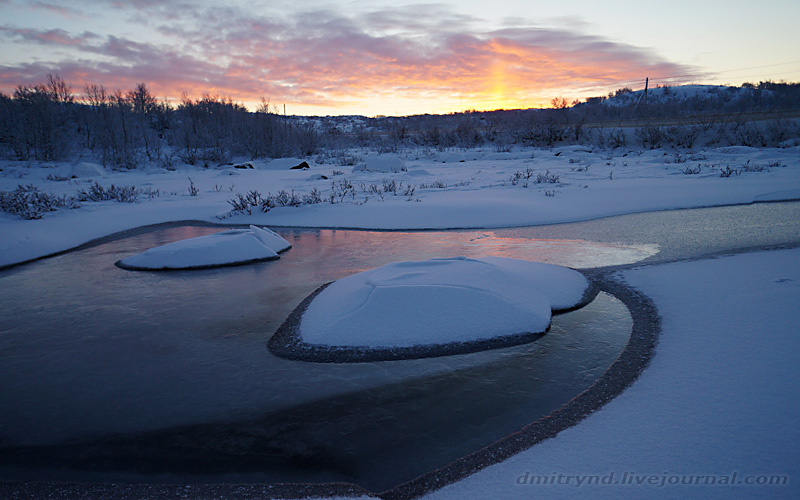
226 248
440 301
270 239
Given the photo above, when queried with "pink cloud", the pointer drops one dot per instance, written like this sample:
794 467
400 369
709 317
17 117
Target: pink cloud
325 58
62 10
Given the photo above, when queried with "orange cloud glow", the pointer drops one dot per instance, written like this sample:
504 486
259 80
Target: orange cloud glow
387 62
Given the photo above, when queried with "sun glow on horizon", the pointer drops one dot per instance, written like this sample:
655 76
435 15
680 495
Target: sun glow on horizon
379 60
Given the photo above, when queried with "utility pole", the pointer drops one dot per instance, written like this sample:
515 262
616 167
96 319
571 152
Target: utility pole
644 94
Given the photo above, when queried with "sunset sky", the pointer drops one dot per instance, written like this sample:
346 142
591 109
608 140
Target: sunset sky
383 57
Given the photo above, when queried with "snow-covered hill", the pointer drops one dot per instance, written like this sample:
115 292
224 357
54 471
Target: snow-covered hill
682 93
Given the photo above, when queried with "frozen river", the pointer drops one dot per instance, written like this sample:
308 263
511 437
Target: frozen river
165 377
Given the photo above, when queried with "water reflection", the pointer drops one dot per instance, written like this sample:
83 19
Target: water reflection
369 249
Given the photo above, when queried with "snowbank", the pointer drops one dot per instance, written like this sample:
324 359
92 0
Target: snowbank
716 408
440 301
226 248
467 207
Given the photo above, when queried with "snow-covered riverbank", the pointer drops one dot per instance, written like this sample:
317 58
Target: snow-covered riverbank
474 189
718 399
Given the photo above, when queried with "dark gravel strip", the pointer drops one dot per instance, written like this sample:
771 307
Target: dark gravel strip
12 490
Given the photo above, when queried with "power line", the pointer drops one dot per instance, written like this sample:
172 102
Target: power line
745 77
759 67
698 74
707 73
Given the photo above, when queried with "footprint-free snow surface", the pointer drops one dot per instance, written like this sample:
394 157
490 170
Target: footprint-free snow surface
432 303
226 248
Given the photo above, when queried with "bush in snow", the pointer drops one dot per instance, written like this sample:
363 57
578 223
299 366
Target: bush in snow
683 136
96 192
650 136
245 203
341 191
520 176
193 190
57 178
747 133
691 170
617 138
437 184
30 203
728 171
547 178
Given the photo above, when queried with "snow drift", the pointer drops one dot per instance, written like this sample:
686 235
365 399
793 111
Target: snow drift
238 246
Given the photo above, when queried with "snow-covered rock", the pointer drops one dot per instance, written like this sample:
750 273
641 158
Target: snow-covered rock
226 248
519 155
419 172
453 157
385 164
284 163
85 169
440 301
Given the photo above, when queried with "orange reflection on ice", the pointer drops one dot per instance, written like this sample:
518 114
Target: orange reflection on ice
370 249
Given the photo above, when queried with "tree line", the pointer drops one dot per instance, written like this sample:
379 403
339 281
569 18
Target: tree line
125 129
48 122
